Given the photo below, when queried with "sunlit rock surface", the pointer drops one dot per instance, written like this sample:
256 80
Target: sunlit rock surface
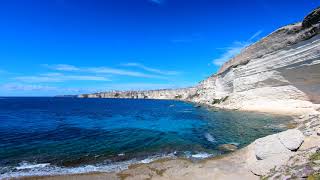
281 72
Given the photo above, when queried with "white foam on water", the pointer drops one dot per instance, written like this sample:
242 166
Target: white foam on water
197 156
234 143
201 155
186 111
26 165
209 137
45 169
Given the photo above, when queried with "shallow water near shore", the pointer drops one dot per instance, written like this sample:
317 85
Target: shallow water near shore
47 136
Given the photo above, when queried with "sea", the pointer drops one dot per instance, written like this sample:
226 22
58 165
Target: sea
62 135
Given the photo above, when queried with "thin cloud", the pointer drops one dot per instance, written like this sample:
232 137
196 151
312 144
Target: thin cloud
152 70
37 88
235 49
58 77
255 35
106 70
62 67
26 87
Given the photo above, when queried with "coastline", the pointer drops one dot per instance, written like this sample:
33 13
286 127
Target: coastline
226 166
53 171
179 168
230 166
279 75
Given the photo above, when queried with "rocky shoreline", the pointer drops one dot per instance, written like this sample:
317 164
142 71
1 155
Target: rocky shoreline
278 74
292 154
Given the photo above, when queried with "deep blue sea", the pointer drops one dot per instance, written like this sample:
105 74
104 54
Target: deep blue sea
43 136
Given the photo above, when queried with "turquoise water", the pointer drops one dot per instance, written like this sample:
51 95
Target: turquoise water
41 136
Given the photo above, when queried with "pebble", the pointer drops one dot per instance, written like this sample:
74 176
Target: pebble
317 161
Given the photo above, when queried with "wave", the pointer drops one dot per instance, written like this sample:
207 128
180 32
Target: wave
26 165
210 138
25 169
201 155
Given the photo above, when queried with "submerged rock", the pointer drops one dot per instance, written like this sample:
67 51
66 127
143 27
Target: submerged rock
227 147
291 139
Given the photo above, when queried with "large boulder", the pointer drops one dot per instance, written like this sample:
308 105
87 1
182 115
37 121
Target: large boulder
269 146
291 139
312 18
263 167
274 151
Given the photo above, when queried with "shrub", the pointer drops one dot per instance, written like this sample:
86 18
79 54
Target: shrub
218 101
178 96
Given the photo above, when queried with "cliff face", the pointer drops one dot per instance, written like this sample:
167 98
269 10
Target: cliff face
281 71
181 94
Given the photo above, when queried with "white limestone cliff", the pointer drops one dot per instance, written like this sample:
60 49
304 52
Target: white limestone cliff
279 73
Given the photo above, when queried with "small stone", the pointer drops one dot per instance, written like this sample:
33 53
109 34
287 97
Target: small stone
227 147
317 162
305 172
291 125
308 132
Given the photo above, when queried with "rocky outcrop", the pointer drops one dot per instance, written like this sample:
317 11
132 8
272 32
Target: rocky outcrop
312 18
303 163
268 147
274 151
181 94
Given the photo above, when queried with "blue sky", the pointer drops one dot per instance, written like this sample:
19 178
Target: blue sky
50 47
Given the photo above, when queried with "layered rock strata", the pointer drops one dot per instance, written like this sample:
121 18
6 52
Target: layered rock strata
281 72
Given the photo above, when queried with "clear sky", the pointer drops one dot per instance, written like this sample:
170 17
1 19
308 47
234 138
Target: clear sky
50 47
